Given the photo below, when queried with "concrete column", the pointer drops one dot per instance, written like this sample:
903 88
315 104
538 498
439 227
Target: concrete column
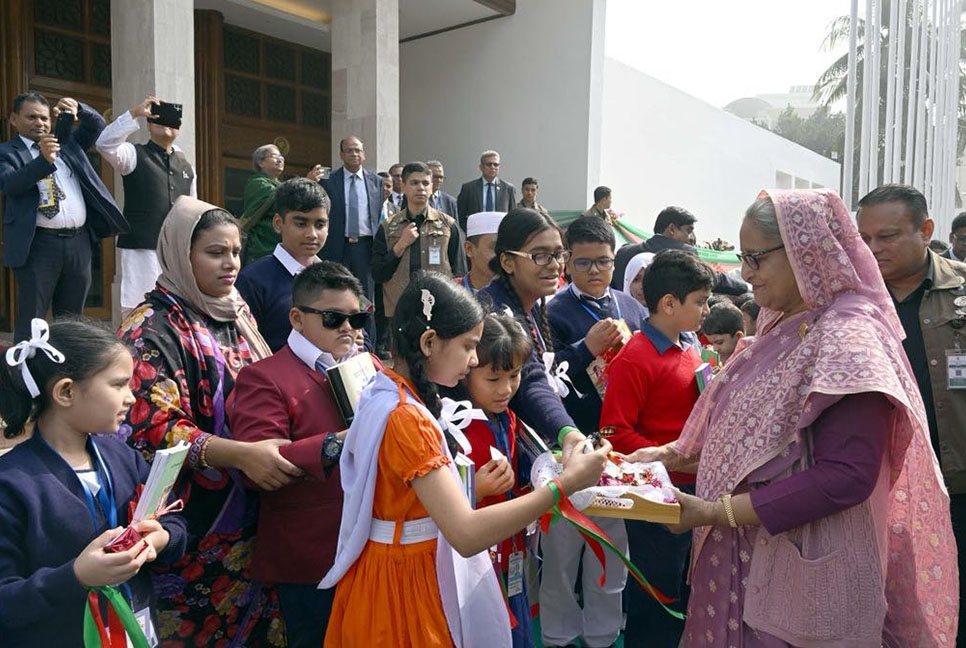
365 78
152 52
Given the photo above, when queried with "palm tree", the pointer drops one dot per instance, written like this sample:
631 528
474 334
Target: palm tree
831 86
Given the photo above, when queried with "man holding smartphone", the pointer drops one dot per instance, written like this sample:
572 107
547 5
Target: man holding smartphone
155 174
55 207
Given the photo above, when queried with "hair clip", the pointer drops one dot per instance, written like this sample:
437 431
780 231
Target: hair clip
20 353
428 302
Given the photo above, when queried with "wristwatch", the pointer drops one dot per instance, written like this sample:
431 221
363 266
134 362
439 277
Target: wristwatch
332 448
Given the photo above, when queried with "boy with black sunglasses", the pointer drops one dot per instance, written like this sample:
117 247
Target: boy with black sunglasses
288 397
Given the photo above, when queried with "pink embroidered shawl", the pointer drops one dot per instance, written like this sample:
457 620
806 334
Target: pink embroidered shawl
761 404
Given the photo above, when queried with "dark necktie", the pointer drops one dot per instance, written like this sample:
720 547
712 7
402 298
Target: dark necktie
602 303
488 206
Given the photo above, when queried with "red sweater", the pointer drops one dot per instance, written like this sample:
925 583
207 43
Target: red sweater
651 390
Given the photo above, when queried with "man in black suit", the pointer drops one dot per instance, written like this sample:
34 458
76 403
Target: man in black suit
55 208
673 230
487 193
440 200
356 194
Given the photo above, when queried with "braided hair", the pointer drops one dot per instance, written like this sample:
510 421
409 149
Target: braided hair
454 312
516 228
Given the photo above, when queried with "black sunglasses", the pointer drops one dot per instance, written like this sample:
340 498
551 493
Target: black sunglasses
335 319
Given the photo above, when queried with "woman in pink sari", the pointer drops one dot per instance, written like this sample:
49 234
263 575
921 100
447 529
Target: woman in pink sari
820 518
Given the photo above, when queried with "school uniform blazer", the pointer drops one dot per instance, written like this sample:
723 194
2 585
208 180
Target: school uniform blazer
45 524
20 173
281 397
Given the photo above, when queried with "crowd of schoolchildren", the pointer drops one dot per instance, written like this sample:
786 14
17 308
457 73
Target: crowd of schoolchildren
300 529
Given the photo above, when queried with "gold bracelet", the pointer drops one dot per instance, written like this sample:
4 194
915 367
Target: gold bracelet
729 511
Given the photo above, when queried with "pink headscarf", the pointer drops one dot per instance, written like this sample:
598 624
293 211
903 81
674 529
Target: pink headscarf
848 342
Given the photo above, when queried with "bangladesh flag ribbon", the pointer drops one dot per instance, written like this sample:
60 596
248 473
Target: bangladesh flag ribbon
596 538
120 621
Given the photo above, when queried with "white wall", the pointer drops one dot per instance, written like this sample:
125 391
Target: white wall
660 147
528 86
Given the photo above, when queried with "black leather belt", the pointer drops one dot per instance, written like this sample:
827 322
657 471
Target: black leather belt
62 232
353 240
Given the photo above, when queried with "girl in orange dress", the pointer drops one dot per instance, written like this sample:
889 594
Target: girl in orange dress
411 565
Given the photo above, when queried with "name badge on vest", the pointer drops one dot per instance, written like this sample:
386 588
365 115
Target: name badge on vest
435 254
955 369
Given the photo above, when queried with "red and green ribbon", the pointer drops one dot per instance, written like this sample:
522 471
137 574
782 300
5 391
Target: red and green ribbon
596 538
120 622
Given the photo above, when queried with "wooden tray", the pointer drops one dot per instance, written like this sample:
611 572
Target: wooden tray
641 509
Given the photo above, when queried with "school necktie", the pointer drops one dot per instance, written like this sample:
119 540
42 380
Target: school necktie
352 222
488 206
49 211
602 303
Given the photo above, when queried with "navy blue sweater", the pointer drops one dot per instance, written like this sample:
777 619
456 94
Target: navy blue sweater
266 286
570 321
44 525
535 402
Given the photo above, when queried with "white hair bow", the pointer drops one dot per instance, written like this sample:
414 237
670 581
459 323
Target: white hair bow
20 353
558 377
455 416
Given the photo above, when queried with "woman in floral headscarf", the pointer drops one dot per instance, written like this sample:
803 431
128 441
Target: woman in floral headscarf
820 517
190 338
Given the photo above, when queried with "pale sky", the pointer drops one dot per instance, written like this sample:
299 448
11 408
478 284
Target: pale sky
720 50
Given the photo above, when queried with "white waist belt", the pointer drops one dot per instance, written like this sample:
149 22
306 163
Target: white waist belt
421 530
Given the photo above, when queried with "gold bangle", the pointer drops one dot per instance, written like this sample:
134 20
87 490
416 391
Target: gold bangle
203 457
729 511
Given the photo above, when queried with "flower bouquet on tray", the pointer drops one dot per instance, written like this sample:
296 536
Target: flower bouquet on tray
635 491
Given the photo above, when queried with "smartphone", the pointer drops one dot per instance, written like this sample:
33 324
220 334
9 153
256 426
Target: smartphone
167 114
65 127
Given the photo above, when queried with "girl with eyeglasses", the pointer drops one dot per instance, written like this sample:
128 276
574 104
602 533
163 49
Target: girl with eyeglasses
530 258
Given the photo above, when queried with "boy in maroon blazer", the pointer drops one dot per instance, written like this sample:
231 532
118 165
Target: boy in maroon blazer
288 396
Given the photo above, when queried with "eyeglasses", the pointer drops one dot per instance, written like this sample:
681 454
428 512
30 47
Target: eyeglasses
491 164
959 238
335 319
753 258
543 258
275 156
602 263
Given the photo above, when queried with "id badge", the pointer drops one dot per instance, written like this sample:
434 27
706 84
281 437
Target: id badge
143 618
514 580
955 369
47 194
435 254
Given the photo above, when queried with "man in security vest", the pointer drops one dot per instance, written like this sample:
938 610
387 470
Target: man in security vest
416 238
155 174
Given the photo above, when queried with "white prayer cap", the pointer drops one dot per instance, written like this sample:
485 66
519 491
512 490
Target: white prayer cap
483 223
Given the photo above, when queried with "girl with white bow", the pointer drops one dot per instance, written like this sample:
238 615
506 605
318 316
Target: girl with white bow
65 492
411 566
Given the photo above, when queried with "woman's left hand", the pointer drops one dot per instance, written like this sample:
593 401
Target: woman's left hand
695 512
155 535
